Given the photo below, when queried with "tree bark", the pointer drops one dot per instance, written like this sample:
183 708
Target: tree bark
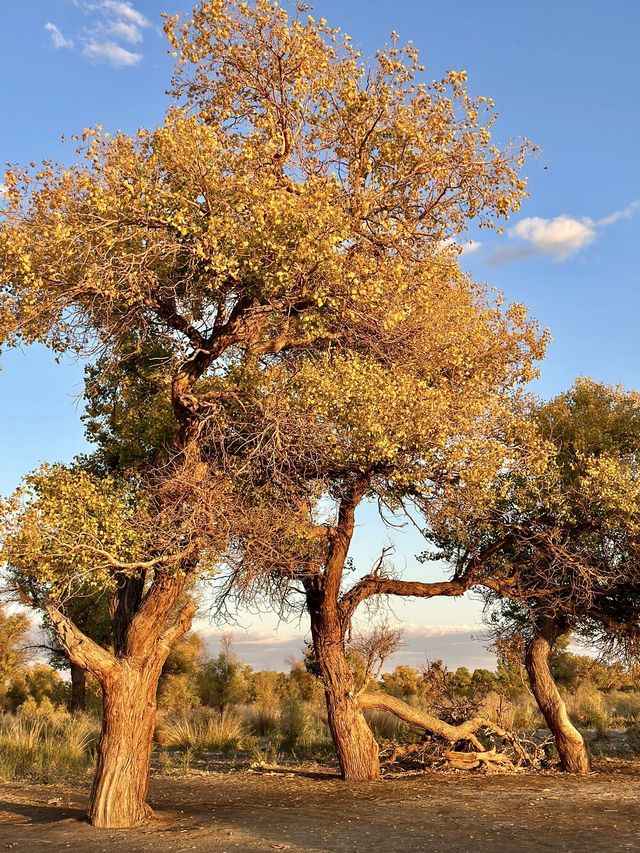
572 749
78 700
129 685
355 744
119 793
465 731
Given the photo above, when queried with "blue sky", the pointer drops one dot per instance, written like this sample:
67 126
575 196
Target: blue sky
564 74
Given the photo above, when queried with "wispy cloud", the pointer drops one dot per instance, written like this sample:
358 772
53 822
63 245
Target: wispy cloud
110 53
112 25
559 238
419 631
58 39
626 213
121 10
124 31
262 648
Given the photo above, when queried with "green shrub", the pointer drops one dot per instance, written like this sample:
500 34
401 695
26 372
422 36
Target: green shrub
303 729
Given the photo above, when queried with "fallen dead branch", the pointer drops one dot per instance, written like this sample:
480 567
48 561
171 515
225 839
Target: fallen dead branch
489 760
466 731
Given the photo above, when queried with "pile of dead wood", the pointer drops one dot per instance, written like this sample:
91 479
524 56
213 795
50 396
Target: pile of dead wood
438 748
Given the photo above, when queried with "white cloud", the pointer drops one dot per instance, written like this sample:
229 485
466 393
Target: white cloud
119 20
112 24
110 53
626 213
470 246
125 31
57 38
123 11
560 237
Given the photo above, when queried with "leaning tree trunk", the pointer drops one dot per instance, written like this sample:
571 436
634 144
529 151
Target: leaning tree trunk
119 793
355 744
78 700
574 755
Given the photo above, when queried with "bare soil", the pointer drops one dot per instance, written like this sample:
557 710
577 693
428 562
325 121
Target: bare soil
308 810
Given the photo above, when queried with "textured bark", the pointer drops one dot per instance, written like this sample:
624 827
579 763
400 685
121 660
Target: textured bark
574 755
434 725
78 699
355 744
129 683
119 793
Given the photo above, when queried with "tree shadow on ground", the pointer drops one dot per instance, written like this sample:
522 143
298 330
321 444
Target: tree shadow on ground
44 814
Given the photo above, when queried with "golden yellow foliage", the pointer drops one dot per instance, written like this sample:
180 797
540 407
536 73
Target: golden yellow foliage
66 529
283 241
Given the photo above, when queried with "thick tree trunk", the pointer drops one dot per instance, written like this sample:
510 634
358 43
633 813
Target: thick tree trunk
574 755
129 681
355 744
78 700
119 793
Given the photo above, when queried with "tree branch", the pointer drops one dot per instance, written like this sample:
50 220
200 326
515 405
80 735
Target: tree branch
79 648
181 625
423 720
372 585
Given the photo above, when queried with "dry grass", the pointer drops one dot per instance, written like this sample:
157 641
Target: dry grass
38 749
203 731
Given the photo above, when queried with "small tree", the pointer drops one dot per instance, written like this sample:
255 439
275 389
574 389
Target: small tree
67 531
567 543
224 681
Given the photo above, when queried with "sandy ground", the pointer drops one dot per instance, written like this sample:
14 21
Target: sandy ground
311 810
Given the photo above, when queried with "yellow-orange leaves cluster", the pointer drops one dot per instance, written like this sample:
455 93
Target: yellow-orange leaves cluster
66 530
281 242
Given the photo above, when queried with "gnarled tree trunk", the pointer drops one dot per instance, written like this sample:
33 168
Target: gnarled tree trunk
355 744
119 793
574 755
129 681
423 720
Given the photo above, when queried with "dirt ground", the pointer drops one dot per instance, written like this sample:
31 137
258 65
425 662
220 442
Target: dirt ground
310 810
